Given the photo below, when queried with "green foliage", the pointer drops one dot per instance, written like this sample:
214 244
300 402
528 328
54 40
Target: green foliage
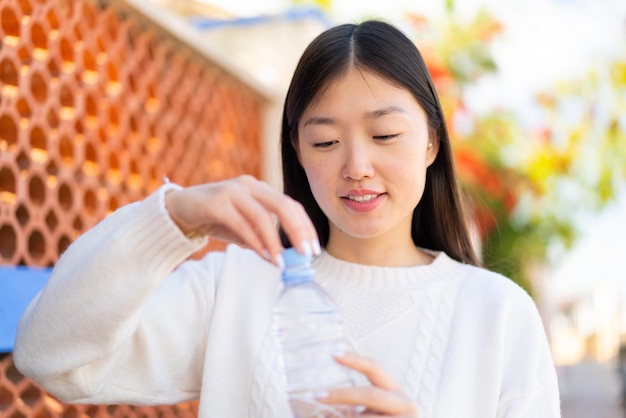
529 188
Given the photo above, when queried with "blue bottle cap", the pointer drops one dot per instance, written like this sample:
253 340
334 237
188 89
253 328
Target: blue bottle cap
292 257
297 267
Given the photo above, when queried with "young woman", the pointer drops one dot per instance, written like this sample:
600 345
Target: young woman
370 189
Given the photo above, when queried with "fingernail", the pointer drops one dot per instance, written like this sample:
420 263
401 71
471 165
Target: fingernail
306 248
280 262
267 255
317 249
320 394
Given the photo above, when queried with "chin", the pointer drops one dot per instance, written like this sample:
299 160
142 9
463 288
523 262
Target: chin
362 232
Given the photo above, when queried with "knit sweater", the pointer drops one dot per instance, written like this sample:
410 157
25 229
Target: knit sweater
127 317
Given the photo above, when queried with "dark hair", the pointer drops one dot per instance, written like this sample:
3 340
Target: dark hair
438 220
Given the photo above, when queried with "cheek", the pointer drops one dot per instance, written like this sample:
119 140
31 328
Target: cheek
318 176
409 171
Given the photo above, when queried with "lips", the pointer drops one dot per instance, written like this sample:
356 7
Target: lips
363 197
362 201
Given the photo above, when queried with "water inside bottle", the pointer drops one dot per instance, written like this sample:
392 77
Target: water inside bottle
308 344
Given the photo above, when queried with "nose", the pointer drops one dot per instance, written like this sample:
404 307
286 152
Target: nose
357 162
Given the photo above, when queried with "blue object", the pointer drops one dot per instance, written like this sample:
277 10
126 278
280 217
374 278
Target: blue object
297 267
18 286
295 14
292 257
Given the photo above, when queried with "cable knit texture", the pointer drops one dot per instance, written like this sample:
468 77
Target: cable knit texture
398 307
125 319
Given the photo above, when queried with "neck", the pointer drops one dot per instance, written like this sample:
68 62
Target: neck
377 251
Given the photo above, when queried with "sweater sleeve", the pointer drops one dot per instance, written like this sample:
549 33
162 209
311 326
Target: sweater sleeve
121 320
529 382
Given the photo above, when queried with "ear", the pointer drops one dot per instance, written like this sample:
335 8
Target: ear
432 151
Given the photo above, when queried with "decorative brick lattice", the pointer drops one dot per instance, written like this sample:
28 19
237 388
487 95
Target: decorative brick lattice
21 398
95 110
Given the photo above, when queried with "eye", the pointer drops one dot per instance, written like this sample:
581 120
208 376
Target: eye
386 137
324 144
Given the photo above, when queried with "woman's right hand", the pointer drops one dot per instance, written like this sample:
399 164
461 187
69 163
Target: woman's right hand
243 210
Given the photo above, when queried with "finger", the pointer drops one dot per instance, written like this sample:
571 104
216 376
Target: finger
372 370
232 215
375 399
261 222
298 227
293 218
227 210
238 228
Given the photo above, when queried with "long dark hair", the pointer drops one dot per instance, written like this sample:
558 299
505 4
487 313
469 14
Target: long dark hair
438 220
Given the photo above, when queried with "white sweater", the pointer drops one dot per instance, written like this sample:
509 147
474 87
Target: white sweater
124 319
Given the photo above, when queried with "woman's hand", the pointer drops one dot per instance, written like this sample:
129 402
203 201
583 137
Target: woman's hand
243 210
384 398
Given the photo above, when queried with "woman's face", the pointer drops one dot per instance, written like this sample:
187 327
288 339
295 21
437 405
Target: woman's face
364 145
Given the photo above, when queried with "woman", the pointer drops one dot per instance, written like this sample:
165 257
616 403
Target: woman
370 189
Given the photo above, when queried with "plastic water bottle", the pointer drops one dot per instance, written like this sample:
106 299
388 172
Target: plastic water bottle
308 328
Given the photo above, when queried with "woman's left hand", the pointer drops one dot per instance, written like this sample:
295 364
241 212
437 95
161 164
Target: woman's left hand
384 398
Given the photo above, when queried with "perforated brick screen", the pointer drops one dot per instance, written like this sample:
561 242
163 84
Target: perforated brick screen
96 109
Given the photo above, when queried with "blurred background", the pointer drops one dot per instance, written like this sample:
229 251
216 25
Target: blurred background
103 99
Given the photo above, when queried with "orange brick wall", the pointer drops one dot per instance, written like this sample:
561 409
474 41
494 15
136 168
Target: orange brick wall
95 110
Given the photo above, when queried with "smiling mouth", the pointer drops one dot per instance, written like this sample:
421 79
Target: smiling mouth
362 198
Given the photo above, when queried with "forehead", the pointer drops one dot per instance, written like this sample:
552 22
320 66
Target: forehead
361 90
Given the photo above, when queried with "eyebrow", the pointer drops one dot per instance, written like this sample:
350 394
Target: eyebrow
369 115
385 111
319 121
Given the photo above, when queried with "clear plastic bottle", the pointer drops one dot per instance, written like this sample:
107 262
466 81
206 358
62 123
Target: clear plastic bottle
308 328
